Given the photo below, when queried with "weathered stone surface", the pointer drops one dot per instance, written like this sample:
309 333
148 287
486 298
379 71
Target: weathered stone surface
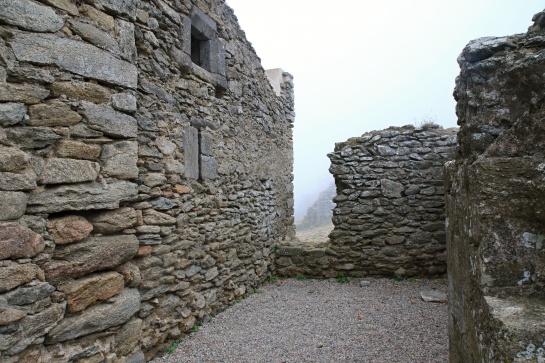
124 102
12 113
131 274
13 159
17 241
24 180
126 40
119 7
32 137
65 5
97 318
86 291
191 152
75 56
76 150
127 337
119 160
81 197
14 274
390 188
161 219
84 91
30 15
9 316
113 221
100 18
13 205
24 93
37 325
53 114
68 229
61 171
109 121
29 294
434 296
95 36
93 254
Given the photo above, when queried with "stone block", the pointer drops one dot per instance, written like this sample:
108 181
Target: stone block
100 18
32 137
95 36
191 152
390 188
84 91
113 221
82 197
119 160
30 15
13 205
12 113
52 114
118 7
23 93
126 40
207 143
13 159
25 180
161 219
202 25
13 274
74 56
97 318
17 241
209 167
86 291
91 255
68 229
73 149
127 337
61 171
109 121
65 5
124 102
9 316
131 274
29 294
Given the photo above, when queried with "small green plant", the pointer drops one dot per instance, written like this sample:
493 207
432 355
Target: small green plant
399 278
301 277
173 346
342 278
237 301
195 328
256 291
276 248
272 278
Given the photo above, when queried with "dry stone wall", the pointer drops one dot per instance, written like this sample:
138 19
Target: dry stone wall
145 174
496 202
390 210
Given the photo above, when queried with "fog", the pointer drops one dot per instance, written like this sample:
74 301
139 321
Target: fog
366 65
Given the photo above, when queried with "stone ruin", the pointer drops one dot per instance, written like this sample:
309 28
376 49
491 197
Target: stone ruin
145 174
389 218
145 184
496 202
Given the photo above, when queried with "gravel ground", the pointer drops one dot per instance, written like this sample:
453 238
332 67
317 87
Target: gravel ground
325 321
318 234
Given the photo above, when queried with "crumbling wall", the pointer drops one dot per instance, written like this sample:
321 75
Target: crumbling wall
496 202
145 174
390 211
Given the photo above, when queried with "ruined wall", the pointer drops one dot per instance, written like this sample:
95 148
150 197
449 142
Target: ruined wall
145 174
496 202
390 211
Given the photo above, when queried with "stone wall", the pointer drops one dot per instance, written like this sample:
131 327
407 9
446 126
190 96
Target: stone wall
496 202
145 174
390 211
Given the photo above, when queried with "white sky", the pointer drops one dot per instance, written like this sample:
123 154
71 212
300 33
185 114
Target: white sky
366 65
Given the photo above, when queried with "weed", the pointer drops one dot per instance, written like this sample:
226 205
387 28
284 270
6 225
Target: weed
272 278
276 248
237 301
399 278
301 277
342 278
195 328
256 291
173 346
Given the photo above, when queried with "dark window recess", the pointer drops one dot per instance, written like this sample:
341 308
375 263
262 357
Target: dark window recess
196 48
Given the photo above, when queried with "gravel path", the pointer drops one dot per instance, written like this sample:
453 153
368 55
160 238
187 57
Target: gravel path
325 321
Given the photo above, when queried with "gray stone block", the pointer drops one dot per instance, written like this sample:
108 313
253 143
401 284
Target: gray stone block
32 137
18 181
24 93
95 36
124 102
206 144
97 318
30 15
118 7
209 167
119 159
60 170
126 40
75 56
12 113
191 152
109 121
82 197
13 205
203 27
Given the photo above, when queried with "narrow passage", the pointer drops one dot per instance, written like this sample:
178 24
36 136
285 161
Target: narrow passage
363 320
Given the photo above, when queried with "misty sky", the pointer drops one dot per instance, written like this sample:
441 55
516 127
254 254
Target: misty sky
366 65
